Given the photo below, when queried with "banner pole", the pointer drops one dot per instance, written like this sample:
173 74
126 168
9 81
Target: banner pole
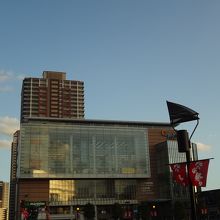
191 187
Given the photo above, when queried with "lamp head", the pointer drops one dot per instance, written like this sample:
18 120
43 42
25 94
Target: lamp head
179 113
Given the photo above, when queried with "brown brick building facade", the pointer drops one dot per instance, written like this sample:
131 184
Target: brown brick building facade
52 96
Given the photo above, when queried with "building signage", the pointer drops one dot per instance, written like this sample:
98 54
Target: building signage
147 187
169 134
38 204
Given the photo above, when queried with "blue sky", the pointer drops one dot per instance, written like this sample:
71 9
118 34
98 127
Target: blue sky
132 55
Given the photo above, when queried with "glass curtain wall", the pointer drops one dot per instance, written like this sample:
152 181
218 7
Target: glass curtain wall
69 191
79 151
167 153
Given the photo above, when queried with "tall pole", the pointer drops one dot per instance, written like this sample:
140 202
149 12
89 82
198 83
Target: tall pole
184 145
180 114
191 188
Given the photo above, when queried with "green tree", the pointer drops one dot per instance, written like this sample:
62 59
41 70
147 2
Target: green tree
89 211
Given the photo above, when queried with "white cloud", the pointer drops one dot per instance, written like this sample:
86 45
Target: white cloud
5 144
8 80
8 125
5 75
203 147
8 75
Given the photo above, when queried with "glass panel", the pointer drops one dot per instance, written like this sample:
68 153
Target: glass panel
59 150
64 191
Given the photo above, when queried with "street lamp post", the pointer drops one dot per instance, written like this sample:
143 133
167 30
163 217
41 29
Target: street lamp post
180 114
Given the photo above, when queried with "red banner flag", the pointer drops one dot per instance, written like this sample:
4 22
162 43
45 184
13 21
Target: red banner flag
179 173
198 171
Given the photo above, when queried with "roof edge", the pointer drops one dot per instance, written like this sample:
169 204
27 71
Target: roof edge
97 121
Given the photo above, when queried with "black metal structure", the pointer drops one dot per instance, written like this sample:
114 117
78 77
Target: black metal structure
180 114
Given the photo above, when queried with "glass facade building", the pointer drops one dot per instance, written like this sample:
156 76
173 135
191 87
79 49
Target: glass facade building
59 150
67 163
167 153
76 191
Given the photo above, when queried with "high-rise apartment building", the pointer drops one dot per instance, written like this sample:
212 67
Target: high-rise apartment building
52 96
3 213
4 198
13 175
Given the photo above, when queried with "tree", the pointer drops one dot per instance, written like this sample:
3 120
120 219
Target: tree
89 211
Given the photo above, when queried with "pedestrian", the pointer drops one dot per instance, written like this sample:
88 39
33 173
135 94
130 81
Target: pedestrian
24 214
